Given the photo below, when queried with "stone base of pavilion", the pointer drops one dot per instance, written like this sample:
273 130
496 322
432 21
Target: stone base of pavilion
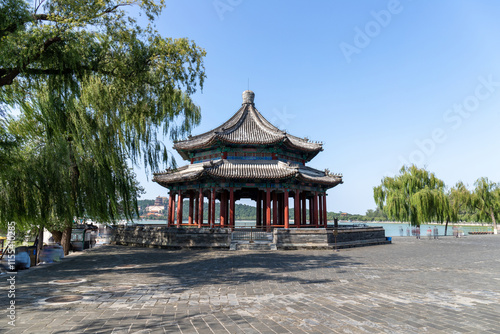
225 238
330 238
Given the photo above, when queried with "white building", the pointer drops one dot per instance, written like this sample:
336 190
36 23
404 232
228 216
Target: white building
155 208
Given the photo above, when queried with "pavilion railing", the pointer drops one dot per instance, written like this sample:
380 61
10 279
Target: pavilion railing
250 234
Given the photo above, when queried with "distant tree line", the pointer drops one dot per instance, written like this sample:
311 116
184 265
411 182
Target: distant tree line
242 211
248 212
376 215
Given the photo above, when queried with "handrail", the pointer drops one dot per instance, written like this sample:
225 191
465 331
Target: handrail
250 234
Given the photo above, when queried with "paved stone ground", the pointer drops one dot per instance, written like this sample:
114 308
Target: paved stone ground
412 286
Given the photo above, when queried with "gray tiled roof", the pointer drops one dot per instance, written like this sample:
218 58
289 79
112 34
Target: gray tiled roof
247 126
267 169
242 169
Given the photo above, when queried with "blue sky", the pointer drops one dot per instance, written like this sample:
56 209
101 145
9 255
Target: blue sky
381 83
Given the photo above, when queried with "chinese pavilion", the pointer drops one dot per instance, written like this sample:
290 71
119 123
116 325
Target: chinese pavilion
248 157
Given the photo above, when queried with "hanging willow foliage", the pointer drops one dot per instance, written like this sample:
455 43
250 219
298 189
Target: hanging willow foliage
460 200
57 178
415 196
486 200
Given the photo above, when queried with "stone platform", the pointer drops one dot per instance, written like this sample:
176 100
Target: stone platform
222 238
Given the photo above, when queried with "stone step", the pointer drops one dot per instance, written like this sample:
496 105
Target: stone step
257 236
263 246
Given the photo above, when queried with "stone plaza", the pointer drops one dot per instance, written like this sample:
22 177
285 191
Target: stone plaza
449 285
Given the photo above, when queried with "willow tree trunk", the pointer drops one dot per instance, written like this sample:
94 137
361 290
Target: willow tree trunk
495 231
57 235
446 228
66 239
75 175
39 245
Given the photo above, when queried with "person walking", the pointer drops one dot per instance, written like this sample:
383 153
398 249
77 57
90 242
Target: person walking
417 232
436 232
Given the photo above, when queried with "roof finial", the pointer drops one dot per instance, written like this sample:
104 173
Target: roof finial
248 97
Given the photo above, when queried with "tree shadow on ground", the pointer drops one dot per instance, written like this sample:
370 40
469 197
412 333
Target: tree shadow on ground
192 267
152 271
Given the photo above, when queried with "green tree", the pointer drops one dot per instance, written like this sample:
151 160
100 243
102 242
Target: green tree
415 196
94 89
486 200
459 198
375 215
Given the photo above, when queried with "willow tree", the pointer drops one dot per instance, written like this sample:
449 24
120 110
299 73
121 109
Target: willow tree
415 196
486 200
460 200
94 89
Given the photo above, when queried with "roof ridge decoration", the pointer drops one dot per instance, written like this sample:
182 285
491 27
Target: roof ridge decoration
212 163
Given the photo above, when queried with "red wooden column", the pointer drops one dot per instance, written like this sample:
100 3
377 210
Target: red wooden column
320 202
315 211
282 217
280 209
263 216
196 211
296 208
311 210
223 208
231 207
179 210
226 209
209 208
200 208
191 200
325 216
209 197
212 211
259 209
304 209
275 208
169 215
174 208
285 200
268 208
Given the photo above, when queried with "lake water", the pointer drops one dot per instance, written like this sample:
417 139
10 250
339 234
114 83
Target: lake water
391 229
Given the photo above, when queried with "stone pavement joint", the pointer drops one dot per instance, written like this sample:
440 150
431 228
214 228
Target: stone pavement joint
448 285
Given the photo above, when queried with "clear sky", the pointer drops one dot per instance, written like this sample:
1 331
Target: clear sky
381 83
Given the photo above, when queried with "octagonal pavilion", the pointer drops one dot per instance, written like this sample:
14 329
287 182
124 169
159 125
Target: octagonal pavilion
248 157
